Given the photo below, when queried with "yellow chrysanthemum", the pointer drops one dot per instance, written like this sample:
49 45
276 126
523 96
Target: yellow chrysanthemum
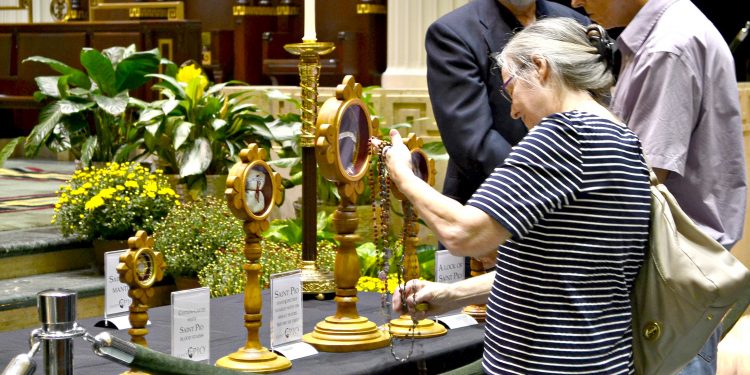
150 186
94 202
107 193
167 191
132 184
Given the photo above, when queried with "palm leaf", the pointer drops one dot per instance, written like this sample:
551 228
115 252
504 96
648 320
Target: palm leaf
114 106
48 119
169 83
78 77
48 85
8 149
132 71
88 150
196 159
100 70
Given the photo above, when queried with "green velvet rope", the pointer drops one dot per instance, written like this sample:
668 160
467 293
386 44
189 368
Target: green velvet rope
157 363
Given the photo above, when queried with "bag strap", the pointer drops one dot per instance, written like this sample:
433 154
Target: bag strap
652 176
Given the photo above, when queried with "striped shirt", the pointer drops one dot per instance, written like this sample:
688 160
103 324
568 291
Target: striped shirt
574 194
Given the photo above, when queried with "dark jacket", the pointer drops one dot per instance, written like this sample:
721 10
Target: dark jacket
473 118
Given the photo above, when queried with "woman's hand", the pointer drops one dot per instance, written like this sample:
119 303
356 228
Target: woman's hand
398 159
416 292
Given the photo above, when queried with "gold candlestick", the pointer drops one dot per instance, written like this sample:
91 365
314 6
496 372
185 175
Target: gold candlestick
252 190
139 268
424 168
314 281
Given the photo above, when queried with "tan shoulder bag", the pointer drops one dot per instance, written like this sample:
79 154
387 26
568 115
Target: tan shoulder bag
687 285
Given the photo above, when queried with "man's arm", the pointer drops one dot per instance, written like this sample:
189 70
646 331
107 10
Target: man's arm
666 110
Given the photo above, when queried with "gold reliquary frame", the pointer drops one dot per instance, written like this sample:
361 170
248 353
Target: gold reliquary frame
343 130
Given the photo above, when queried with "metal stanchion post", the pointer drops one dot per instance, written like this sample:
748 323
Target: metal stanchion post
57 313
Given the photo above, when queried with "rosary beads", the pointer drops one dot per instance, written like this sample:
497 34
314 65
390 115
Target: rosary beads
380 193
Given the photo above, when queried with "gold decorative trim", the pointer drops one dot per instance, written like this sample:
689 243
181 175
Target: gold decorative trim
171 10
77 15
168 44
282 10
371 9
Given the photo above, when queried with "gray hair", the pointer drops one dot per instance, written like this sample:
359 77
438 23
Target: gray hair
572 58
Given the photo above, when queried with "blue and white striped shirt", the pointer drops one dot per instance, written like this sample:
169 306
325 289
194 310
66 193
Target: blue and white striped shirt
574 194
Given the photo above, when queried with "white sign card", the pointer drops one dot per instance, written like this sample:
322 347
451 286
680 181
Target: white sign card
448 268
456 321
286 307
191 324
286 316
116 299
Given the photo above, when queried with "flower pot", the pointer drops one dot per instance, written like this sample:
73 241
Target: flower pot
103 246
186 282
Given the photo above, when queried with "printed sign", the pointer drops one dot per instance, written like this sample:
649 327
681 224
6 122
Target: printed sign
116 298
456 321
448 268
191 324
286 304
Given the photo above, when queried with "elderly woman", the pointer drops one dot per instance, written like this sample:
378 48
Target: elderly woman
569 211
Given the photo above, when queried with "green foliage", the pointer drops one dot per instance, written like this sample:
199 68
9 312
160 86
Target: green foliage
7 150
196 129
224 276
113 202
203 238
369 259
290 230
102 94
196 234
282 257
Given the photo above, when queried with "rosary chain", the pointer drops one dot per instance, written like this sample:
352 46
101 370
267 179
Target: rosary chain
380 194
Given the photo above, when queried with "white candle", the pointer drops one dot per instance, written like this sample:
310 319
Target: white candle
309 22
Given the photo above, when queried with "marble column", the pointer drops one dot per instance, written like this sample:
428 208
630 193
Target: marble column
407 24
40 12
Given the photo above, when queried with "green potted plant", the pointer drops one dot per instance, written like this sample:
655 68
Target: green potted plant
202 243
195 235
112 203
102 94
196 130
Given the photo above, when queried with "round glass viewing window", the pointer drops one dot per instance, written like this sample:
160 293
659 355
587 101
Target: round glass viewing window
353 140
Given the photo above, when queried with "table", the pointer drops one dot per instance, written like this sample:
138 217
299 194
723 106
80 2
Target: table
456 348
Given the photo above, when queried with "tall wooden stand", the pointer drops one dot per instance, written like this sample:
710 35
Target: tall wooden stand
342 151
425 168
252 189
346 331
139 268
478 312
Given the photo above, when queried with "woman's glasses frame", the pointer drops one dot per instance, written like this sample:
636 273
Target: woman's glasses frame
503 89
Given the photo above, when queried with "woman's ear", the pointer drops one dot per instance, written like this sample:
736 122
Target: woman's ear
542 68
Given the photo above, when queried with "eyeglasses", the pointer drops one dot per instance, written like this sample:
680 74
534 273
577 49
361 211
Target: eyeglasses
505 92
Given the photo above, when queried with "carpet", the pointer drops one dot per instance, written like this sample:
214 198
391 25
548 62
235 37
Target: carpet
27 191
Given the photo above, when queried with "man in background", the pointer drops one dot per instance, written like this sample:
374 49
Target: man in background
678 92
464 86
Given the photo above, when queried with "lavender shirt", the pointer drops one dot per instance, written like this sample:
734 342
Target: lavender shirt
677 90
